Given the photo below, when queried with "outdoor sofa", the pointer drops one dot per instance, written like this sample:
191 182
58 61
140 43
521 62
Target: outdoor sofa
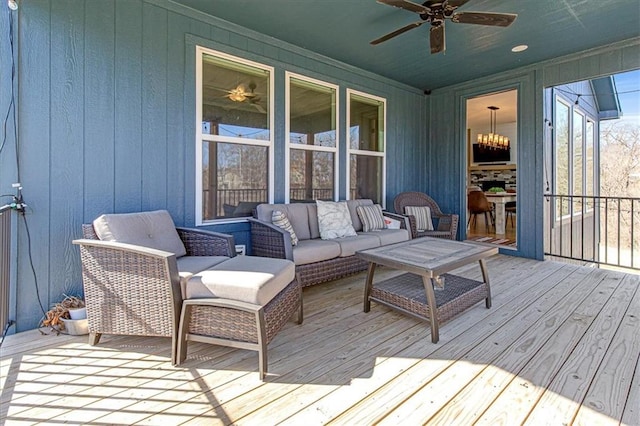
319 260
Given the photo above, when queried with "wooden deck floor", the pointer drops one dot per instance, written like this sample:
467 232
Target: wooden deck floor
560 345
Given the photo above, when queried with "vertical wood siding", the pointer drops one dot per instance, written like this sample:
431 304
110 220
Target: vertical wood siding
446 182
107 123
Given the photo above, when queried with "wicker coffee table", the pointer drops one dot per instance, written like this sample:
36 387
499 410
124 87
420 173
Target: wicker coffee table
427 291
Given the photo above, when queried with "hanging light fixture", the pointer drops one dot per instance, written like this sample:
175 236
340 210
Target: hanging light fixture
493 139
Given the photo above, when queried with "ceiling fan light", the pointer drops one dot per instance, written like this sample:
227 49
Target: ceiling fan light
237 97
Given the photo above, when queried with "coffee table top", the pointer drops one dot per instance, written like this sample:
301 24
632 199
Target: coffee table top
427 256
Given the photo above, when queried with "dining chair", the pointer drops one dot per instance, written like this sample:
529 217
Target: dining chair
477 203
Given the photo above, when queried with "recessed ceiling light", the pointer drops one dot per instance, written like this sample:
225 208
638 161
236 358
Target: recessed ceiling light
519 48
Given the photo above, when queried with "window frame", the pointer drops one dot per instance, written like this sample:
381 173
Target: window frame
349 151
201 137
574 109
313 148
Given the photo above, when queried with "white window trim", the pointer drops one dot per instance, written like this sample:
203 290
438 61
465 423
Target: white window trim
289 146
561 217
350 151
200 51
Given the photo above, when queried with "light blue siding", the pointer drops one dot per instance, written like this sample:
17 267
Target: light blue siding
107 123
106 109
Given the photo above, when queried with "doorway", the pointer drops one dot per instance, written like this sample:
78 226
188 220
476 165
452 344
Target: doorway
491 178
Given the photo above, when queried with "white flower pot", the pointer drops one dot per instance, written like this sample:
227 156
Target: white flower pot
78 314
76 327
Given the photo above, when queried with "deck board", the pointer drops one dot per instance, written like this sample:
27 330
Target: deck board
559 346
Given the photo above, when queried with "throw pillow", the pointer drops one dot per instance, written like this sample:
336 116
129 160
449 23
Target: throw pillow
281 220
422 215
371 217
334 220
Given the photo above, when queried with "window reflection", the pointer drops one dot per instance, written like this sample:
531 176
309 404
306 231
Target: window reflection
235 135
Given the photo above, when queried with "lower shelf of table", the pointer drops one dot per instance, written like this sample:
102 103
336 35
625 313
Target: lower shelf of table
406 292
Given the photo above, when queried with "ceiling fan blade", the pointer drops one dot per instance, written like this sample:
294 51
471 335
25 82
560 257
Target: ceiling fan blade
456 3
436 39
406 5
259 108
397 32
485 18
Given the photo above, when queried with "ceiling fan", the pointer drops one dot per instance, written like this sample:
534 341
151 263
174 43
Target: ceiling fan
245 93
436 11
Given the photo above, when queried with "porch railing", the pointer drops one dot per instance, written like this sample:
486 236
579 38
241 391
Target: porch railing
601 230
5 264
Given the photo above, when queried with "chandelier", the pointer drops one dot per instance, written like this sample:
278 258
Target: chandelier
493 139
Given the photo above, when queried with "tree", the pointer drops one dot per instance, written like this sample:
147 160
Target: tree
620 159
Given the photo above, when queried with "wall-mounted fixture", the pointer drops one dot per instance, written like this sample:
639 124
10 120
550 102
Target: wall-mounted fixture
493 139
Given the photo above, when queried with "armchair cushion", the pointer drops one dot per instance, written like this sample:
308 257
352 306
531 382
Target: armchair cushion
422 215
154 229
334 220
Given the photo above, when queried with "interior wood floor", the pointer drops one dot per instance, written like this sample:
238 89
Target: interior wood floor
481 230
559 346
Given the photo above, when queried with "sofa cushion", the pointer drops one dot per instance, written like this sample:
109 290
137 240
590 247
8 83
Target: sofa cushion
316 250
314 227
298 214
422 215
334 220
248 279
154 229
353 205
389 236
190 265
281 220
371 217
350 245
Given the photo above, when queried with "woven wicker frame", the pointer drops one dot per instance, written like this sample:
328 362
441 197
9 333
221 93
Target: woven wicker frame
406 292
133 290
238 324
268 240
447 223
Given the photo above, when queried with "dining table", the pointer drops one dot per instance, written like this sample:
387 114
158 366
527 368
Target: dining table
500 199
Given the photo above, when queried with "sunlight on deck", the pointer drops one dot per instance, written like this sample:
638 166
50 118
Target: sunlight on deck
559 346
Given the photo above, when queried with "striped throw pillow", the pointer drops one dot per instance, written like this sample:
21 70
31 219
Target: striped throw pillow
281 220
371 217
422 215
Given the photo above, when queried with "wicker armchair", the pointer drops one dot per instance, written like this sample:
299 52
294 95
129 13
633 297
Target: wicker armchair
447 224
135 290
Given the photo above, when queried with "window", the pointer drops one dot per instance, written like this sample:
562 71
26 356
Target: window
577 159
575 142
589 161
234 136
312 135
562 156
366 122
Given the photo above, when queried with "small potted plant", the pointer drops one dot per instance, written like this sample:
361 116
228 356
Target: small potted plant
68 316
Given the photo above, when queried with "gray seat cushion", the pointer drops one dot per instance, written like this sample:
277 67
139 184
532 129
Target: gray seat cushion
298 215
153 229
317 250
350 245
389 236
248 279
